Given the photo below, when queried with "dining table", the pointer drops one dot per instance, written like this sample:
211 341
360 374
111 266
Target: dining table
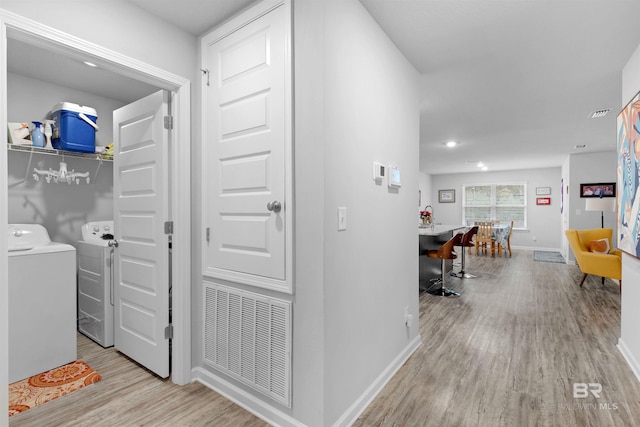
499 234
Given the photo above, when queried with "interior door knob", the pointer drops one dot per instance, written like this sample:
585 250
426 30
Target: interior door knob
274 206
113 243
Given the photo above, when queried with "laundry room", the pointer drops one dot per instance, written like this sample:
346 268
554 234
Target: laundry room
38 81
62 193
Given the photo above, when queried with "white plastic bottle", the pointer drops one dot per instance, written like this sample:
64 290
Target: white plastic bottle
48 131
37 137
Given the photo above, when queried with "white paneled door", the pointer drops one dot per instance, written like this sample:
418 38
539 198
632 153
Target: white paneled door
247 140
141 207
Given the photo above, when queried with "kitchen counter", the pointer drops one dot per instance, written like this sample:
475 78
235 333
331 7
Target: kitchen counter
438 229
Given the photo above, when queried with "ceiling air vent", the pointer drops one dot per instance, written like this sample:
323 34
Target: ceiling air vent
599 113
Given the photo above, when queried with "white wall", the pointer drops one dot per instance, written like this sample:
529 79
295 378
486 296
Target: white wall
629 342
565 249
371 270
590 168
584 169
544 222
356 103
310 224
425 187
117 25
4 288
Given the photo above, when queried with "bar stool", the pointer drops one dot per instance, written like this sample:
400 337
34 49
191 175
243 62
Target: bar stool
466 243
444 252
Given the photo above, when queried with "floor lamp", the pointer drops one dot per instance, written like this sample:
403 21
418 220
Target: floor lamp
602 204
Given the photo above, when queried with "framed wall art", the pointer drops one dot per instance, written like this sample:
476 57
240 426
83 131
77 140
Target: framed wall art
606 189
628 147
544 201
446 196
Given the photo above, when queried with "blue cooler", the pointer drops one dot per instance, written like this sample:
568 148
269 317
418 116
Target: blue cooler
75 127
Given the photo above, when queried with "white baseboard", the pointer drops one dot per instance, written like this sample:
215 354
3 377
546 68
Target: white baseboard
358 407
534 248
628 356
242 398
273 416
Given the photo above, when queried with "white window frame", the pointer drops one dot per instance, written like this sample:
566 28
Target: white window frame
492 204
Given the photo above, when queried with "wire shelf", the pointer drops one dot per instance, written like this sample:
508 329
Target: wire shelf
55 152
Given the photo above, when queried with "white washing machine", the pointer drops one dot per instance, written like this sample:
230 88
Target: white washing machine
95 282
42 302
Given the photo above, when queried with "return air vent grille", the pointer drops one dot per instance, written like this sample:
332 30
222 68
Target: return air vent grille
248 336
599 113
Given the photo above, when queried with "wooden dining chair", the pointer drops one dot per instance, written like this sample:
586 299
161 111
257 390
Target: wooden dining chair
505 243
484 238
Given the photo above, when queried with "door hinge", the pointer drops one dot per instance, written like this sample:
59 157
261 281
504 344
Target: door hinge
168 122
208 234
168 332
205 71
168 227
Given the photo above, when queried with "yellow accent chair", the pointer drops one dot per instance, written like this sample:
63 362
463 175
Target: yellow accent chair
587 247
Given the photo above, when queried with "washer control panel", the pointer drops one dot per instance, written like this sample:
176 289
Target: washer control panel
97 231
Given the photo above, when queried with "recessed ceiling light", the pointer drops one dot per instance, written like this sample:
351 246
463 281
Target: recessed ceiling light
90 64
480 164
451 144
599 113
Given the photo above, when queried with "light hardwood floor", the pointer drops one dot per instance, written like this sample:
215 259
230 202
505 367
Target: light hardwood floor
506 353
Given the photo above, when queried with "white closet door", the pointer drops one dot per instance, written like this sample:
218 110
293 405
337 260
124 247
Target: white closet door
247 141
141 202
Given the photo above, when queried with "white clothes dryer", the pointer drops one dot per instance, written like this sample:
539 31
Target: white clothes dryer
42 302
95 282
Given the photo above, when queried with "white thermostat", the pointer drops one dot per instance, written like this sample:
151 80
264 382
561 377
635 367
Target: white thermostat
394 176
379 171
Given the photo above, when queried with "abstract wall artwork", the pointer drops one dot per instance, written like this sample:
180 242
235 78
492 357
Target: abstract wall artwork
628 127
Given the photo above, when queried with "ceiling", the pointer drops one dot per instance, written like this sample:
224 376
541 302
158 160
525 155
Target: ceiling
193 16
513 81
39 63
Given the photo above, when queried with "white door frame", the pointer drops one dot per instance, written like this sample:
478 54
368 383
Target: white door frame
18 27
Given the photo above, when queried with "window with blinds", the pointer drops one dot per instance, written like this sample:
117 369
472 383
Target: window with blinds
496 202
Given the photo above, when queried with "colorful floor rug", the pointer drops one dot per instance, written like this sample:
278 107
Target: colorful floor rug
42 388
548 256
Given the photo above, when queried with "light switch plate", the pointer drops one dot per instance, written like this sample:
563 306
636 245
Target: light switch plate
379 171
342 218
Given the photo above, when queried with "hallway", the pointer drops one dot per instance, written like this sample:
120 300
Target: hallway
506 353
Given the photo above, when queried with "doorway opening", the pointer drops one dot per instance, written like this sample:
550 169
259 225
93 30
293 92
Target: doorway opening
16 29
